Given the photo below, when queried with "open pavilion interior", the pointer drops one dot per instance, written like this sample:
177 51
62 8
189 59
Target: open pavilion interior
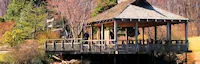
117 31
126 18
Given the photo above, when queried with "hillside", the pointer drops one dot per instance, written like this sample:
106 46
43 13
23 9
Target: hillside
186 8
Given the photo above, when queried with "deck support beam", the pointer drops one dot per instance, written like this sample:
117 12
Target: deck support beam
136 36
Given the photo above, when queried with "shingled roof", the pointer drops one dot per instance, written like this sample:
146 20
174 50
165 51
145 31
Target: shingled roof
136 10
111 13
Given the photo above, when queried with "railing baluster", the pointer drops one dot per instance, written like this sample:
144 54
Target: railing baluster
127 45
90 45
81 43
177 42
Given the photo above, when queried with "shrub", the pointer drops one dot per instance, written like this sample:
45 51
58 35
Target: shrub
42 36
14 37
2 19
26 53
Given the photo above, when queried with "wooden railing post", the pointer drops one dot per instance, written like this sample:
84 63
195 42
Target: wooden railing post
45 46
90 45
62 45
74 40
54 45
81 45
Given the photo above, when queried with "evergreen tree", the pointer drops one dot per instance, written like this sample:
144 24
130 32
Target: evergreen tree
103 5
29 21
14 9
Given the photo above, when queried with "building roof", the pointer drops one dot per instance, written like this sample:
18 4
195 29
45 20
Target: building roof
136 10
111 13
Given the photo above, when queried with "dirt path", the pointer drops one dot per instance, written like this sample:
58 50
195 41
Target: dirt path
2 52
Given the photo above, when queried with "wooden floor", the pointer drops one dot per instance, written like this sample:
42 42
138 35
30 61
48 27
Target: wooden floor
127 47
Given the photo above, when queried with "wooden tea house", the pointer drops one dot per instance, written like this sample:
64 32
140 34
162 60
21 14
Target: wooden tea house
126 17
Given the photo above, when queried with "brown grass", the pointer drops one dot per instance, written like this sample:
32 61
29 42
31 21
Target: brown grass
26 53
194 43
5 26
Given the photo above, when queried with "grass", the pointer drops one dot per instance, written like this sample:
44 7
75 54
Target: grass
194 45
2 57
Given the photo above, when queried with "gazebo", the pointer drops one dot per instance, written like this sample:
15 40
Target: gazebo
140 14
131 15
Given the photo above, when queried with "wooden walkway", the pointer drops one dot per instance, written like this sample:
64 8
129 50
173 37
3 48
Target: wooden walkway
78 46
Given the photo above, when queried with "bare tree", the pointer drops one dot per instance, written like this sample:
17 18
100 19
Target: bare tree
3 6
75 11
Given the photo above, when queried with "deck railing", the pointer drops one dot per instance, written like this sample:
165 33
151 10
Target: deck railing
109 46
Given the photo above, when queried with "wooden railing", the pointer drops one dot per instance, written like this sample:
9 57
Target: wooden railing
110 46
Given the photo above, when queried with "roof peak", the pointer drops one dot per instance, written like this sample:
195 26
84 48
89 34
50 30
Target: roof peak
142 3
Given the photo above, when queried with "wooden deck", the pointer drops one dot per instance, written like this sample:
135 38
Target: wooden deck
78 46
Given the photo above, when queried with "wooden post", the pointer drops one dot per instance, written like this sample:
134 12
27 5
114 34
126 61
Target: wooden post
169 38
169 33
126 35
82 33
155 33
74 41
115 31
102 32
136 36
62 44
127 42
186 32
115 34
81 46
99 32
54 45
92 28
186 38
143 34
46 46
102 36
